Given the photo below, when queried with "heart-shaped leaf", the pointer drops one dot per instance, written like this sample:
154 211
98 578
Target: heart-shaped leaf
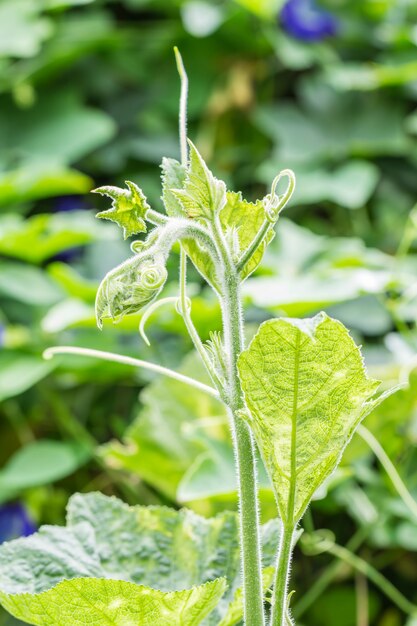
307 390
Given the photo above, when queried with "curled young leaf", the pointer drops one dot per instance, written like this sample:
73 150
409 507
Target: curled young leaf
307 390
129 287
128 208
203 195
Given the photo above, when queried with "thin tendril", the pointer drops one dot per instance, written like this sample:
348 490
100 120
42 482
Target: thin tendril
127 360
389 467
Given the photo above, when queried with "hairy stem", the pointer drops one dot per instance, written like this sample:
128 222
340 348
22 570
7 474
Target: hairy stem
185 307
244 448
282 574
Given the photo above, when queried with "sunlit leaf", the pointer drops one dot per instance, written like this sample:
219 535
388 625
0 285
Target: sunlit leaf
307 390
128 208
100 601
160 548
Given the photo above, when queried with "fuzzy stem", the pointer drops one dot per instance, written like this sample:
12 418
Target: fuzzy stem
282 574
243 443
183 106
192 331
155 218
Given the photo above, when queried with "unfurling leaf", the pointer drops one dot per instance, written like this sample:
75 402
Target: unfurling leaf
128 209
307 390
115 564
133 284
246 218
203 195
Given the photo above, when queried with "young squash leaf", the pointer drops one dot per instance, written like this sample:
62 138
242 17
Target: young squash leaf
202 196
128 208
307 390
236 216
127 565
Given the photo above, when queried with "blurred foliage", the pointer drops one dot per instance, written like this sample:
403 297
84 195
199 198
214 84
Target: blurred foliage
89 97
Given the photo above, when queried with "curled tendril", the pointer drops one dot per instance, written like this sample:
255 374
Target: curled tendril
131 285
273 203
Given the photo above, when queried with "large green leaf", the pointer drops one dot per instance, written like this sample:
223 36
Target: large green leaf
307 390
99 601
157 547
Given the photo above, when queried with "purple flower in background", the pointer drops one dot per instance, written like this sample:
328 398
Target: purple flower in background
305 20
2 334
64 204
15 522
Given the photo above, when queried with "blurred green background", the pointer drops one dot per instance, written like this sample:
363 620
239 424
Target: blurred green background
89 96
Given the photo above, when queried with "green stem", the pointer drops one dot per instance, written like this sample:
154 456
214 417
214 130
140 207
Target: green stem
282 574
185 308
244 449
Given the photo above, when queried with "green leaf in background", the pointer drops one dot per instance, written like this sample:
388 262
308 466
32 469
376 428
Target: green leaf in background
40 237
39 180
157 547
203 195
156 446
307 390
83 601
304 272
128 209
49 136
40 463
29 285
23 28
350 185
20 371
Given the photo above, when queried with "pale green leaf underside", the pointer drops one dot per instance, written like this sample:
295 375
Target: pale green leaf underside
245 217
128 208
157 547
307 390
104 602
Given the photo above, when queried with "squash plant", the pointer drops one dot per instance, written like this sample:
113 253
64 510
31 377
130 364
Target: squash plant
298 392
